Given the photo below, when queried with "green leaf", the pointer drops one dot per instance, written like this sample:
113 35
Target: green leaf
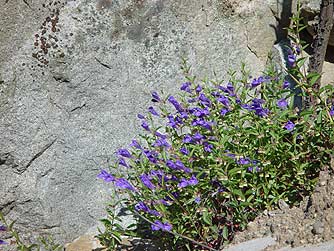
225 232
207 218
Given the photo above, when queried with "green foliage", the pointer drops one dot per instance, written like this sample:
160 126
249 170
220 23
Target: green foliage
46 243
226 153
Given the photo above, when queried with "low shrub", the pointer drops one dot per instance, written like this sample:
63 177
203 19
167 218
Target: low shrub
218 153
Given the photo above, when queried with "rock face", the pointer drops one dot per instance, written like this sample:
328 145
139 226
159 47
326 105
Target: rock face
310 11
75 74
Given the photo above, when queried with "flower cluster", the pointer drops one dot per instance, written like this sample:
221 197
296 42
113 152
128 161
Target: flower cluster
2 229
223 155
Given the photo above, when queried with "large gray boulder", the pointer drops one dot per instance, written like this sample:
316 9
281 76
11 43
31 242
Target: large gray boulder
73 77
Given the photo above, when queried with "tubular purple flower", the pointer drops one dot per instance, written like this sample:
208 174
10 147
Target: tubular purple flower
135 144
140 116
224 111
141 206
145 125
2 242
122 162
186 87
204 100
331 112
171 121
282 103
146 180
175 103
158 225
187 139
198 89
171 164
289 126
161 143
183 183
179 165
107 177
184 151
124 184
155 97
2 228
198 137
207 147
224 100
152 156
291 59
286 84
124 153
197 200
243 161
153 111
193 181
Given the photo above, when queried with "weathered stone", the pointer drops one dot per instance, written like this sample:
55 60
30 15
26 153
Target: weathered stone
74 76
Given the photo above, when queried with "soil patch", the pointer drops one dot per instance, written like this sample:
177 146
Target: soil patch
310 223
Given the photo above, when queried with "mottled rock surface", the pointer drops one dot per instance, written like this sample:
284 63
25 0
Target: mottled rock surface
73 76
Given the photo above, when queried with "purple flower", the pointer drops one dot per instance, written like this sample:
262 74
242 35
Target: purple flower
331 112
171 164
186 87
289 126
160 135
179 165
184 151
253 168
175 103
187 139
145 125
124 184
193 181
243 161
107 177
224 111
291 59
135 144
198 137
201 122
257 81
184 115
2 242
183 183
161 142
124 153
140 116
3 228
157 173
155 97
146 180
198 89
286 84
141 206
158 225
204 100
224 100
122 162
207 147
151 156
154 212
282 103
197 200
171 121
198 112
152 111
